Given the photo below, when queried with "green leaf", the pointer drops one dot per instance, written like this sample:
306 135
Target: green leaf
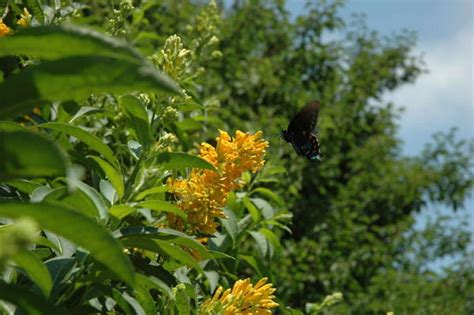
35 269
47 42
142 293
180 160
30 303
35 6
272 239
121 211
11 126
27 154
136 112
78 228
270 194
262 244
114 176
182 302
23 185
254 263
151 191
254 213
131 234
179 254
160 205
230 224
91 140
163 247
75 78
77 200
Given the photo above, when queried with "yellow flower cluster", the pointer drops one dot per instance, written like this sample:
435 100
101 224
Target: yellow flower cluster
4 29
243 298
204 193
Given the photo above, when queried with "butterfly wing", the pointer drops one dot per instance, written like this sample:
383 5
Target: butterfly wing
306 144
306 119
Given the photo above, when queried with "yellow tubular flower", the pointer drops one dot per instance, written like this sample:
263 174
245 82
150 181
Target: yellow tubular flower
243 298
204 193
4 29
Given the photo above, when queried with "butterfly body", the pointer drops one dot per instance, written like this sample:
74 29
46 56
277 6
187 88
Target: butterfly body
300 132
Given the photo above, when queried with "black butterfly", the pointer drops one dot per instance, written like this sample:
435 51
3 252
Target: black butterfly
300 132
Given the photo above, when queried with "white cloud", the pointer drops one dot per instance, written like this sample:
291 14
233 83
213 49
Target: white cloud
443 98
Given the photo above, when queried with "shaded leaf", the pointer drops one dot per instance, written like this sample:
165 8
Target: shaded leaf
75 78
35 269
138 117
180 160
26 154
80 229
30 303
91 140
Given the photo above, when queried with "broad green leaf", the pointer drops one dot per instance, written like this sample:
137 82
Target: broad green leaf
230 224
163 247
266 209
179 254
112 174
180 160
160 205
121 211
77 200
80 229
27 301
137 308
27 154
262 243
272 239
254 263
23 185
151 191
60 269
75 78
47 42
43 241
142 293
182 302
11 126
131 234
138 117
91 140
35 269
252 209
270 194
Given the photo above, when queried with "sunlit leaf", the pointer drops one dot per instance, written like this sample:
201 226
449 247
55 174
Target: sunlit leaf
112 174
160 205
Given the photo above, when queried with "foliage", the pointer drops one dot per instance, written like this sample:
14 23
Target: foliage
141 211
